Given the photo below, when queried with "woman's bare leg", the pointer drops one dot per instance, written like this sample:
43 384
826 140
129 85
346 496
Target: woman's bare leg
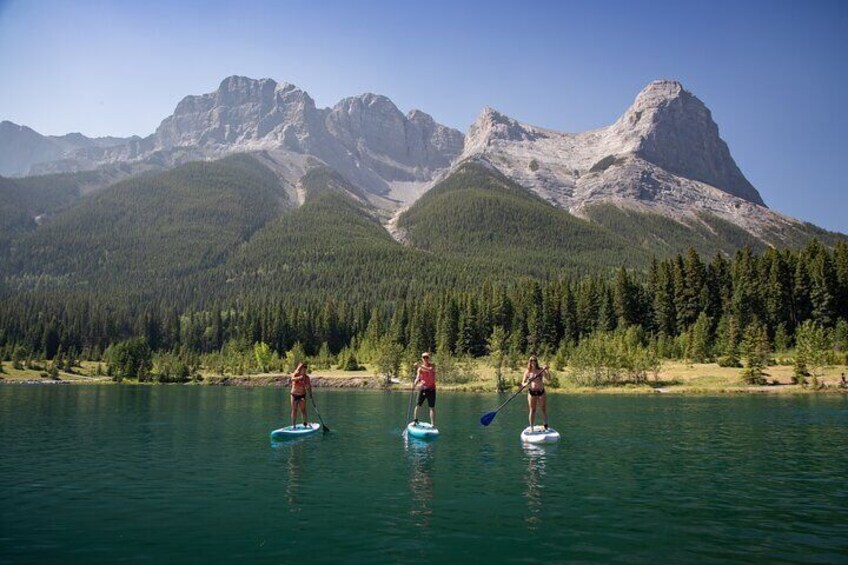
303 411
531 400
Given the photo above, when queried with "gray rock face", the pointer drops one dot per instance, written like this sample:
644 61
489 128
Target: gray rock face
365 138
242 113
673 129
663 155
375 133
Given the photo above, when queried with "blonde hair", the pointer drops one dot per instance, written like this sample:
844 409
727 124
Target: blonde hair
532 361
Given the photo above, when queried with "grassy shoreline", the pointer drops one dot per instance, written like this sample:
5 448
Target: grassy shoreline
673 378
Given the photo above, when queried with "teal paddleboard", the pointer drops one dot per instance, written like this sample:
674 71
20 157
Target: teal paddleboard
299 430
422 430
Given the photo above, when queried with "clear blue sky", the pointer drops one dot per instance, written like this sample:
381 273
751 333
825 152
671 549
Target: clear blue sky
774 73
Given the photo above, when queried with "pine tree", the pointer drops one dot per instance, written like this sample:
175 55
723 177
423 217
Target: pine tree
568 315
801 306
625 300
778 290
823 289
665 314
728 334
756 349
813 346
606 313
497 348
840 261
700 345
689 299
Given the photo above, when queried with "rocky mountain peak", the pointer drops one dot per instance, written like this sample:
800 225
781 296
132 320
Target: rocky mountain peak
670 127
658 93
406 148
492 125
242 111
423 119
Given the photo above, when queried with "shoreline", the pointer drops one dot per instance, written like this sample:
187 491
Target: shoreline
372 382
674 377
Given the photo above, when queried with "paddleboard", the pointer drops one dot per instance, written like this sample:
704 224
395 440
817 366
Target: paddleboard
422 430
538 434
299 430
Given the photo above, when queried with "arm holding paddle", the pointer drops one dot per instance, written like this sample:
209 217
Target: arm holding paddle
538 375
489 416
417 380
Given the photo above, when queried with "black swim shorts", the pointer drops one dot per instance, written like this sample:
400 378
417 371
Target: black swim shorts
428 394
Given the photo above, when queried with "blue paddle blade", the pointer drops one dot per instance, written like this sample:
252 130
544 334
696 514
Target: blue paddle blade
487 418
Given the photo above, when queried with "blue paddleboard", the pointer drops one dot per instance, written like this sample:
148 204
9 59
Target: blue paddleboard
422 430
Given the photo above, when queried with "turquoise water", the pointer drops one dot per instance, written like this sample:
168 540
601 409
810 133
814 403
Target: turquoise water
105 473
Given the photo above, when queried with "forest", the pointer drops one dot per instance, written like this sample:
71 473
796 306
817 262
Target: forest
734 311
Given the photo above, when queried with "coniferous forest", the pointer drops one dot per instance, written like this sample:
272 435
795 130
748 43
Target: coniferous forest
682 307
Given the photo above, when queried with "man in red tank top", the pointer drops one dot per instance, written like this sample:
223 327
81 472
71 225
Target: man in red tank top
427 379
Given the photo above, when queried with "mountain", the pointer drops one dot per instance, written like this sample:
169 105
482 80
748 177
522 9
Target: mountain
151 232
657 181
25 203
230 228
21 147
365 138
478 214
662 157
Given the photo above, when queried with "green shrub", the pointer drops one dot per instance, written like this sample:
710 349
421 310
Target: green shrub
171 368
130 358
348 362
615 357
729 361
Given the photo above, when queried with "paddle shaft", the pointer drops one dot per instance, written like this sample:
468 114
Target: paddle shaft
315 406
411 397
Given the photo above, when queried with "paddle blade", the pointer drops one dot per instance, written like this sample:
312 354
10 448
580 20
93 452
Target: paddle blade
487 418
326 429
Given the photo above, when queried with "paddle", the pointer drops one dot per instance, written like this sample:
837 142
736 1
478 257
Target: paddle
489 416
411 397
315 406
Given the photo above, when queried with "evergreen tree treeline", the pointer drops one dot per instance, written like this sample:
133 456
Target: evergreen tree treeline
686 306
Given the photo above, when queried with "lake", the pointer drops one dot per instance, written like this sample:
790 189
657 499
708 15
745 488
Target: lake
178 473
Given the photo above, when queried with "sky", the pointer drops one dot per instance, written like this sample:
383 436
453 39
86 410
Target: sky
774 73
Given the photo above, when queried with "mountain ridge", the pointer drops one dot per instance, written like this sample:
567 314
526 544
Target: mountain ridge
663 155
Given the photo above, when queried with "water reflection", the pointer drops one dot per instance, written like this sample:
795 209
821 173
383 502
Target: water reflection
421 459
533 480
293 452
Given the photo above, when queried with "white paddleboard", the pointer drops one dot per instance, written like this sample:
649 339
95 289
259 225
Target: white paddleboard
538 434
299 430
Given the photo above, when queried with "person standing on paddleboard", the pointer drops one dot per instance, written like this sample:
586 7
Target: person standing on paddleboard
426 377
534 381
300 385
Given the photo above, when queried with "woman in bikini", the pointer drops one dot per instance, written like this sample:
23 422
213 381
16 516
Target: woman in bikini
300 386
534 377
